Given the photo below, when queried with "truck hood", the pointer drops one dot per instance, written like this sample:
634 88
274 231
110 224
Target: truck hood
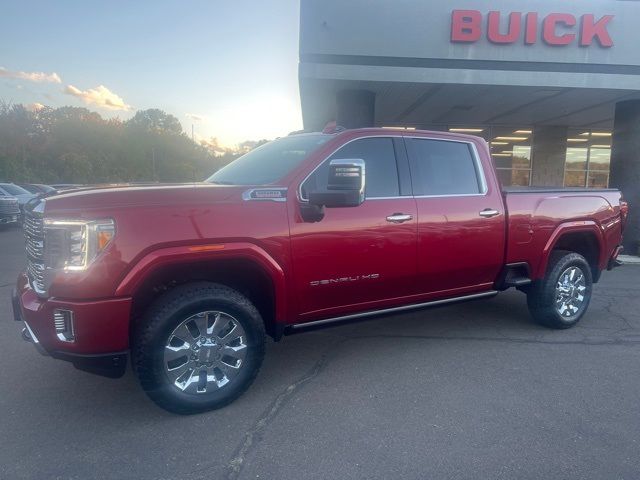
123 196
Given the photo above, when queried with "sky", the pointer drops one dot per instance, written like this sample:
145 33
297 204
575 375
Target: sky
229 68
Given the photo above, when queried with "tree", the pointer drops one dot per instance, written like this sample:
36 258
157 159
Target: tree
76 145
155 120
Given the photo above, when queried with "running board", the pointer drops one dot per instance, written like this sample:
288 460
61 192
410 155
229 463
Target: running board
345 318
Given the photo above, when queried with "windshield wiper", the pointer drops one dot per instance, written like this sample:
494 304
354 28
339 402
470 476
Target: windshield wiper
222 182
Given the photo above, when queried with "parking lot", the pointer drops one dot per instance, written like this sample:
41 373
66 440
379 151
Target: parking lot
467 391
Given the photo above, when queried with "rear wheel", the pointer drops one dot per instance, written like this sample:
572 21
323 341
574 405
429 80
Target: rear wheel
562 297
200 347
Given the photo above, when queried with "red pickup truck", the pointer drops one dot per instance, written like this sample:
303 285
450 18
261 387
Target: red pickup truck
305 231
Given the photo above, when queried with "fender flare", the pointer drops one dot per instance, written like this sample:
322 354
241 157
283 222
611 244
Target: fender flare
586 226
162 257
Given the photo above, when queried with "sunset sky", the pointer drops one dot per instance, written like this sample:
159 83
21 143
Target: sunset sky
228 67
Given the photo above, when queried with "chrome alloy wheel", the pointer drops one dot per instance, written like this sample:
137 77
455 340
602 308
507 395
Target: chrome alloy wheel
205 352
570 291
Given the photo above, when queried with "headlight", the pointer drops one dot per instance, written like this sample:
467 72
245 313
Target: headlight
73 244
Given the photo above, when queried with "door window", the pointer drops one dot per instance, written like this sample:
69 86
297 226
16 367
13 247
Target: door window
380 168
441 167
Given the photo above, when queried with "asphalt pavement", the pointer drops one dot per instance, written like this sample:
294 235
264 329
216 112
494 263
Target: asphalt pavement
471 391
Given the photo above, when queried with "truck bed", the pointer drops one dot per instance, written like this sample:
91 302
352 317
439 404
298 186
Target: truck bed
537 215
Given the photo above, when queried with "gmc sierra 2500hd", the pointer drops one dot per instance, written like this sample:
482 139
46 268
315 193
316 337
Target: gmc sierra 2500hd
305 231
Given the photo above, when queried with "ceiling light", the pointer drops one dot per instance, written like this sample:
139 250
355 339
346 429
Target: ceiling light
500 154
467 130
601 146
577 140
529 132
600 134
499 143
513 139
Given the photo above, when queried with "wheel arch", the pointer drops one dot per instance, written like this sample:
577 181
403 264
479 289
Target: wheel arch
582 237
243 267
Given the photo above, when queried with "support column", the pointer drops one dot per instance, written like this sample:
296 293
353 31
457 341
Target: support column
548 154
625 167
355 108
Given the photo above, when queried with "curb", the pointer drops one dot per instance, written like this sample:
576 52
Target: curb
629 259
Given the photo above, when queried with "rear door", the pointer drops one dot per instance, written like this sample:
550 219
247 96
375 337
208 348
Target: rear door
364 257
461 222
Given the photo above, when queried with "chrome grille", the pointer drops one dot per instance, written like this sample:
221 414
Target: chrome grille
34 236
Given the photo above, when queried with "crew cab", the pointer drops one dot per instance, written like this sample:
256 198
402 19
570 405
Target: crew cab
309 230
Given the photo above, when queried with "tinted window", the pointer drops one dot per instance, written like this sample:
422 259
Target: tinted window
442 168
269 162
380 167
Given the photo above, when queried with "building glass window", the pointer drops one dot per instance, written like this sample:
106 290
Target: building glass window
511 153
588 158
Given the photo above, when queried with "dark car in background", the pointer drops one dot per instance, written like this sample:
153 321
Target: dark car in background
37 188
13 190
9 210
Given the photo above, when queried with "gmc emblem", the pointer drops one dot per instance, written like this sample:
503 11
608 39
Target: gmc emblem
557 28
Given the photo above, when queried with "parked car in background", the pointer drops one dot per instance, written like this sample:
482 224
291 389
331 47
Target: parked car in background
37 188
13 190
9 210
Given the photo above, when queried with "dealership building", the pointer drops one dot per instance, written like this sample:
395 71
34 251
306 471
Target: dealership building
553 86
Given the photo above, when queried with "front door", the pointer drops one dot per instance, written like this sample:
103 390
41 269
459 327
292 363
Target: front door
358 258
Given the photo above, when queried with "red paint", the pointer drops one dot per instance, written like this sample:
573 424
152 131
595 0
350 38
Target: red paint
554 22
446 250
558 29
598 30
466 26
531 29
493 28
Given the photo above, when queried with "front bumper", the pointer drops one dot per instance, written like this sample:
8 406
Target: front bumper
8 219
101 330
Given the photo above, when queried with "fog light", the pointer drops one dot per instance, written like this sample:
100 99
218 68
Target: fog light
63 321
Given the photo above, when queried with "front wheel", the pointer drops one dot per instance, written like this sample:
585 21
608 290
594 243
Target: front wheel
199 347
562 297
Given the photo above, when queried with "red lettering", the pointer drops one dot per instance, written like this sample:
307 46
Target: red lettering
591 30
466 26
549 28
493 30
531 28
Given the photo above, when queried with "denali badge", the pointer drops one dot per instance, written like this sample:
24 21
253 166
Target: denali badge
355 278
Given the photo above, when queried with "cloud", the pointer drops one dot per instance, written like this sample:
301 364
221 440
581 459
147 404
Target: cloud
39 77
195 117
100 96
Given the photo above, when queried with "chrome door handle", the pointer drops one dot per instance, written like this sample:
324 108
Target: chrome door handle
489 212
399 218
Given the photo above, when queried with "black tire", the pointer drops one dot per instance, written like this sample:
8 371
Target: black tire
159 323
541 297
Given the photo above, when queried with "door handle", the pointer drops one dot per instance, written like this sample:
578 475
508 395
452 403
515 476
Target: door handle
489 212
399 218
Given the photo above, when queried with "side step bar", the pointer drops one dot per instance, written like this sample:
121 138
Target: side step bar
364 315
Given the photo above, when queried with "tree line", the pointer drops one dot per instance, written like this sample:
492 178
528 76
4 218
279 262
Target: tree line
76 145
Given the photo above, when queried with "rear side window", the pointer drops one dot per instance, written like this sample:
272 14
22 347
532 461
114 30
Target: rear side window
441 167
380 167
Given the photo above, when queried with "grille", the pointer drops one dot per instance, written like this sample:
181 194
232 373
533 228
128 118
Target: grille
9 207
34 235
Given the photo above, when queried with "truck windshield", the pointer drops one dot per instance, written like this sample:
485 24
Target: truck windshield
269 162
